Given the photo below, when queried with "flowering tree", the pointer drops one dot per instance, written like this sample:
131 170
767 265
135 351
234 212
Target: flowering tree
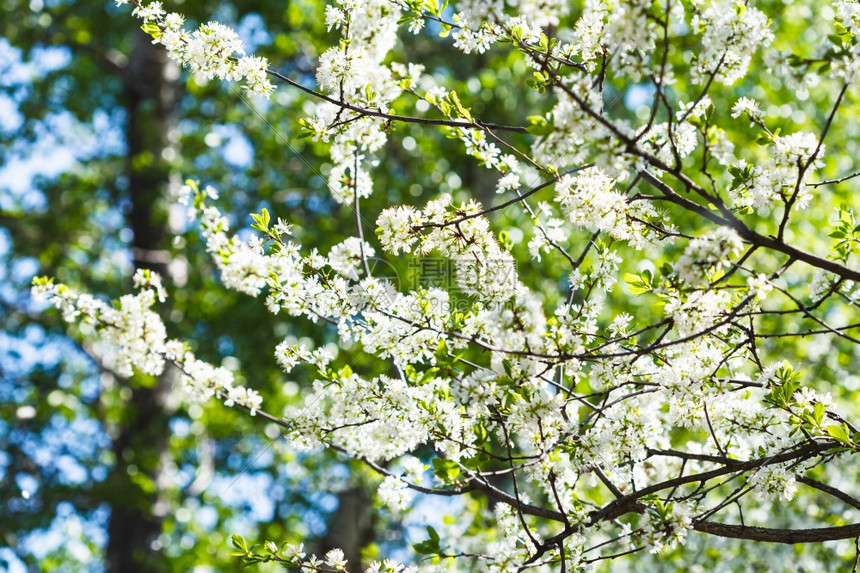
579 418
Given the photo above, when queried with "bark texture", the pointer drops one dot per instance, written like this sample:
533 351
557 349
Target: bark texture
140 441
350 527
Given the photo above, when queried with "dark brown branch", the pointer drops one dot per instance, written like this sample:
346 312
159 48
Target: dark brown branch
830 490
631 501
477 124
803 168
788 536
750 235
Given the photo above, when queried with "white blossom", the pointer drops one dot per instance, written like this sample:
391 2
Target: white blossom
394 494
708 254
749 107
732 33
396 228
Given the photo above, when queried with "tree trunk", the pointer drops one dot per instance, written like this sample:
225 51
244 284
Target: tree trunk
140 440
350 527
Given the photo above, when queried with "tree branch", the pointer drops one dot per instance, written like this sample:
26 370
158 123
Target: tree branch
787 536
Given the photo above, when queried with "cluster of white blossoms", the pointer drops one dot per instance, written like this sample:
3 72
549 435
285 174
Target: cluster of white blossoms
698 311
748 106
590 417
213 49
731 33
589 200
707 255
136 331
574 128
354 74
387 417
668 526
848 12
551 231
294 556
397 228
847 66
674 141
775 480
590 33
395 493
793 159
462 234
139 337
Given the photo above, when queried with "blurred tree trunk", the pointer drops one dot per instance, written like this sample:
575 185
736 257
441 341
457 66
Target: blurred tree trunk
140 439
350 527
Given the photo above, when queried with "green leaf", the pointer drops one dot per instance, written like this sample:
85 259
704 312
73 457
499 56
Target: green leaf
429 546
446 470
239 543
818 413
441 352
840 434
151 29
790 387
539 125
777 397
261 221
638 284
